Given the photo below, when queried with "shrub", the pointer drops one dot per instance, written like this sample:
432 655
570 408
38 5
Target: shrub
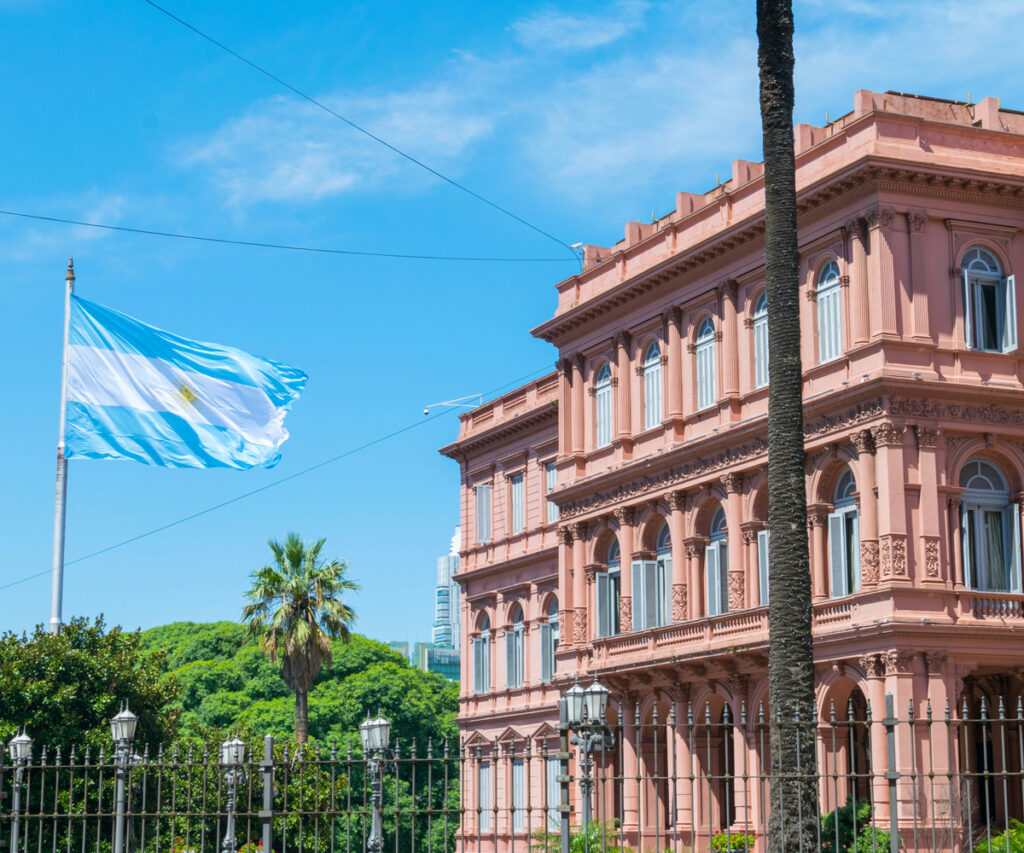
599 838
1012 839
843 819
733 841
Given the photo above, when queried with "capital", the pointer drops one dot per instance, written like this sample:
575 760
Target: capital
677 501
917 219
878 216
888 434
579 531
733 482
926 436
624 515
863 441
621 339
565 535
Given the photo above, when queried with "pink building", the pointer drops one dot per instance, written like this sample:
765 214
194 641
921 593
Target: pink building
614 514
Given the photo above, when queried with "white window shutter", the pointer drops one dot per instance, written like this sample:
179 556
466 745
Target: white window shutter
652 601
762 565
837 554
510 659
855 551
483 513
546 652
665 589
1010 315
484 796
603 593
639 613
711 581
554 793
968 311
478 679
518 795
1013 565
965 544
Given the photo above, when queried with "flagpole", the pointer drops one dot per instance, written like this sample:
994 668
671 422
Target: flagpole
60 502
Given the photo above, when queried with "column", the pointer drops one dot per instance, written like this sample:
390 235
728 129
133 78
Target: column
930 513
868 509
565 396
881 274
919 324
565 602
753 591
695 585
624 415
680 737
874 666
675 366
892 502
630 790
579 589
625 516
953 506
817 517
859 310
577 405
902 670
730 343
733 483
676 528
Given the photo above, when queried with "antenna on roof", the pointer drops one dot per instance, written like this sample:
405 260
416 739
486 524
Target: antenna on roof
470 401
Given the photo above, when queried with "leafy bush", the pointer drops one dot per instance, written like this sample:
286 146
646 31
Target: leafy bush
598 838
1012 840
843 819
873 840
732 841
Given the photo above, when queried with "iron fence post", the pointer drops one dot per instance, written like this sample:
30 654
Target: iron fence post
891 775
266 814
121 758
564 779
19 770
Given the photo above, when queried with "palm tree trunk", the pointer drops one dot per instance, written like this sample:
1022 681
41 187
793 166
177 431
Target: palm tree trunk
301 716
793 822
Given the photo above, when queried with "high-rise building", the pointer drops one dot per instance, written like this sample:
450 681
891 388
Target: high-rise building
400 646
431 657
446 597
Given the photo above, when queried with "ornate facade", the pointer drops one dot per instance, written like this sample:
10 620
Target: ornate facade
642 553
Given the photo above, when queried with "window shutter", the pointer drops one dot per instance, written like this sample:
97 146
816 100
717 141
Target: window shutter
603 589
639 614
837 554
762 565
551 476
665 589
1010 315
760 353
478 680
483 513
855 550
510 659
484 796
546 652
652 601
518 795
554 793
1013 565
518 520
968 311
711 581
965 543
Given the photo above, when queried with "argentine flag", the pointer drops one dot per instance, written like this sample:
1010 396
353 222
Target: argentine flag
136 392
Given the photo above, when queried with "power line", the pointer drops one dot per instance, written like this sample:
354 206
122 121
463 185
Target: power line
350 452
362 130
151 233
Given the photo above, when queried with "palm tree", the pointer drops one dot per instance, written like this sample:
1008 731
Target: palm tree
295 610
794 811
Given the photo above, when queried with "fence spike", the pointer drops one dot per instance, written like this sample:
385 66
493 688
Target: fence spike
743 713
101 755
867 711
910 710
1020 709
430 748
445 744
56 759
928 709
672 715
760 713
654 714
1002 709
832 710
412 749
849 708
984 709
707 712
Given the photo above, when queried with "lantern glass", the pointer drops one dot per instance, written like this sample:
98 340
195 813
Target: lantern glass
575 698
20 747
232 753
597 702
376 734
122 727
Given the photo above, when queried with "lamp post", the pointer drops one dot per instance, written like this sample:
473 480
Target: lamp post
232 757
586 710
20 749
375 734
122 730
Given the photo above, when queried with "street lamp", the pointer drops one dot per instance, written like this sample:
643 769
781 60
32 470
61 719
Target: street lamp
122 730
232 757
20 749
375 734
586 710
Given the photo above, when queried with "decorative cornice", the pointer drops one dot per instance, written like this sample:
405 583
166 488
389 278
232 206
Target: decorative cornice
927 409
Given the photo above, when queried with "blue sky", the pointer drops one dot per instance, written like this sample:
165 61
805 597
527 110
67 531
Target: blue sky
577 116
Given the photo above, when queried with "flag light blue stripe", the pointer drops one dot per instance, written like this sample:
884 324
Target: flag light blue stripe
95 325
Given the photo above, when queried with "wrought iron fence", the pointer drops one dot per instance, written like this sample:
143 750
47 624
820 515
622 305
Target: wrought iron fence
671 777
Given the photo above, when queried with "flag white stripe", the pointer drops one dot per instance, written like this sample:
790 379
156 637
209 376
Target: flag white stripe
106 377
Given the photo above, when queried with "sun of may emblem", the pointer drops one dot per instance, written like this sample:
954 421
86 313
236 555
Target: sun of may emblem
187 394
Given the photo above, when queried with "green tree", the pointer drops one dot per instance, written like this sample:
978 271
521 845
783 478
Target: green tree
295 610
790 658
65 687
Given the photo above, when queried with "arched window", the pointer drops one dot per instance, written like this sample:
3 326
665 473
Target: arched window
514 650
761 340
990 529
549 641
652 386
990 303
706 391
609 592
603 405
652 585
482 658
830 314
716 565
844 538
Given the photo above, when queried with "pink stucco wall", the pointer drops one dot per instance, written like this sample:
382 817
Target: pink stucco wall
894 192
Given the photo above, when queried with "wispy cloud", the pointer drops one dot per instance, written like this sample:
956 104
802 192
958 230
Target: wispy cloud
30 240
564 31
284 149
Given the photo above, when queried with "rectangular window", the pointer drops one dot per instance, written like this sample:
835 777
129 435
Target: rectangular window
483 795
991 543
716 568
829 324
481 665
760 352
547 653
844 552
550 481
651 590
603 410
652 395
518 795
483 513
518 503
608 594
990 313
705 375
514 657
552 771
762 565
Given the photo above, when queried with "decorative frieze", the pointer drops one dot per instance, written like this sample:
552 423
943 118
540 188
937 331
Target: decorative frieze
736 590
579 625
926 409
931 556
869 562
679 602
626 613
892 556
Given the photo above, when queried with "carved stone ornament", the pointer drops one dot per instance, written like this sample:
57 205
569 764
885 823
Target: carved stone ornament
873 665
937 410
564 626
869 561
917 220
935 661
626 613
565 535
862 441
857 228
579 625
931 556
579 531
589 571
694 549
679 602
624 515
888 434
893 556
736 590
733 482
898 661
811 294
926 436
878 216
677 501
